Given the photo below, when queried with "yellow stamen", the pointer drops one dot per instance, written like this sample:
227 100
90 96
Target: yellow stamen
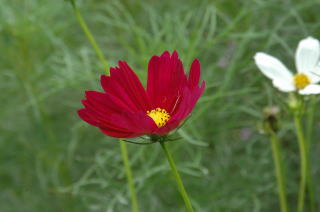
159 116
301 81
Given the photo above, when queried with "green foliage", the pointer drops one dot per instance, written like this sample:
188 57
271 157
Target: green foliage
52 161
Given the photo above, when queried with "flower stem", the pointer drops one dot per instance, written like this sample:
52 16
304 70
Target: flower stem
278 163
90 37
310 120
126 163
303 163
123 145
176 174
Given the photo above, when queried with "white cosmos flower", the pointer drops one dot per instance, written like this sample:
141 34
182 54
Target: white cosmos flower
307 63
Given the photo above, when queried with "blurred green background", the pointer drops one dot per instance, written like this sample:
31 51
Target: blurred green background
52 161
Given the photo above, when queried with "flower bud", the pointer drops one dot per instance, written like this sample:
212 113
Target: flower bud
270 119
293 102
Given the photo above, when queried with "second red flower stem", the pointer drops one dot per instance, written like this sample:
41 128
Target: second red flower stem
178 179
90 37
127 168
123 145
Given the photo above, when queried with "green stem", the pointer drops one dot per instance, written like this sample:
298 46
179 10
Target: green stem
278 163
126 163
176 174
90 37
303 163
310 120
123 145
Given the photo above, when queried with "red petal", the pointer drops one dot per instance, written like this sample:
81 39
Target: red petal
94 119
194 75
138 122
113 118
188 102
124 85
166 78
87 118
104 103
117 134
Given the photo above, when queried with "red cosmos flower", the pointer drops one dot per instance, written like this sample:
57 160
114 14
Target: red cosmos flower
125 109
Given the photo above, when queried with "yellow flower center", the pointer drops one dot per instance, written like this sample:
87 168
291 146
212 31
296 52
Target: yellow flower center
159 116
301 81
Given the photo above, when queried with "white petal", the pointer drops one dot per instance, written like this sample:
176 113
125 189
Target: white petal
314 75
272 68
307 55
310 89
285 86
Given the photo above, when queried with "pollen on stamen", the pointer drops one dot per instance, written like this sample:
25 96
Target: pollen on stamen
301 81
159 116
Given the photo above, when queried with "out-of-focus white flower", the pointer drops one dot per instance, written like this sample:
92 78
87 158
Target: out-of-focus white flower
307 63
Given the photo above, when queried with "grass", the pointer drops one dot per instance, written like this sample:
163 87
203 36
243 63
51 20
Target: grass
52 161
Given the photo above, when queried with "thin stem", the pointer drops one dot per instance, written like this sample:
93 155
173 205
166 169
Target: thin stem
126 163
310 120
279 171
176 174
123 145
303 163
90 37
